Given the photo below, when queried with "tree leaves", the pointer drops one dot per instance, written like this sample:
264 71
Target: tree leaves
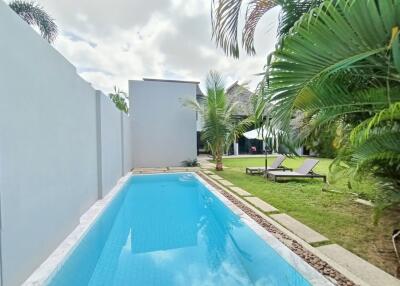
34 14
120 99
340 64
328 40
220 128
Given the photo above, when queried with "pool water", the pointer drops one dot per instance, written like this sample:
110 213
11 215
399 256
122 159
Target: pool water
167 230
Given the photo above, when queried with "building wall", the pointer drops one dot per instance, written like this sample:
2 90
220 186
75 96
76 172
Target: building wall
127 141
199 122
110 136
163 129
49 147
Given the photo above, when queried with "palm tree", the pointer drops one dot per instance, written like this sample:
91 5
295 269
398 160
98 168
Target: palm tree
120 99
340 64
225 15
220 128
34 14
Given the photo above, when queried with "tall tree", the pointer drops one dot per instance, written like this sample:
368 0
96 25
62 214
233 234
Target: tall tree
34 14
340 64
225 15
220 127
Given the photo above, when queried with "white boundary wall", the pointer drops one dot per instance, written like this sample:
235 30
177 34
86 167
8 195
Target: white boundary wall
109 136
163 128
58 152
127 160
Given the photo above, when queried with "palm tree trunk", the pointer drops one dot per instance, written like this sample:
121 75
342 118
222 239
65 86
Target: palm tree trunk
219 166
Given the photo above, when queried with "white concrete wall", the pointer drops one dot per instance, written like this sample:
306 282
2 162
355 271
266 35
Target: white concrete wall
163 129
48 147
109 133
127 162
199 122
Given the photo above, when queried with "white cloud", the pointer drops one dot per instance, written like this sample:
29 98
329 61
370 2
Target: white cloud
111 42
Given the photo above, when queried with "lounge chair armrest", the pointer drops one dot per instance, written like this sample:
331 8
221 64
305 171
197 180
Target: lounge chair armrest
286 168
315 174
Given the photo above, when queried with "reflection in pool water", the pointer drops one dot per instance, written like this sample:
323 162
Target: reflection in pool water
170 230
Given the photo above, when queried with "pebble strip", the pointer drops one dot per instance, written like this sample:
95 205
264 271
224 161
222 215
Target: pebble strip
313 260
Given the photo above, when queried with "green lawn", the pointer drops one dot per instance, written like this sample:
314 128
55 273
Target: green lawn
335 215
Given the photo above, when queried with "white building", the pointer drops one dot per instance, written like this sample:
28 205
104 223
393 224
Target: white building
163 129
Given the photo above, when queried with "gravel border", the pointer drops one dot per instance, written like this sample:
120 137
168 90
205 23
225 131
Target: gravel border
317 263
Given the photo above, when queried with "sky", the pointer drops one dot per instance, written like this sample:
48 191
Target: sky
113 41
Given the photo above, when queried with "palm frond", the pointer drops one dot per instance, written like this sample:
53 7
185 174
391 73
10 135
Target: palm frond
318 46
225 22
333 96
34 14
120 99
384 146
292 12
238 128
225 18
377 123
256 9
220 127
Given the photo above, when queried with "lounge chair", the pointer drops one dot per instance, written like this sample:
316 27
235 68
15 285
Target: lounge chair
304 171
276 165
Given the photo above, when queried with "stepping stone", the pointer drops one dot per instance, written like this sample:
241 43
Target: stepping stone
216 177
259 203
240 191
367 272
299 229
225 183
365 202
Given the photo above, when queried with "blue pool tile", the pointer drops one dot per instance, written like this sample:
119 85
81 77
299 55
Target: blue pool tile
170 230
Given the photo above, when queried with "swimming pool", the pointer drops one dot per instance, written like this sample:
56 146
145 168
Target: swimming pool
170 229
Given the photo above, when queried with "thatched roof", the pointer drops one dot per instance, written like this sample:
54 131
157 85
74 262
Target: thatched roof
243 96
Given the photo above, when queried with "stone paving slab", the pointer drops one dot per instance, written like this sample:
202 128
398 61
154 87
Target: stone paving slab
367 272
216 177
261 204
301 230
365 202
225 183
208 172
240 191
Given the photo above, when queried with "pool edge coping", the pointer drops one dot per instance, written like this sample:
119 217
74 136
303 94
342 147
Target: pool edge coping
49 267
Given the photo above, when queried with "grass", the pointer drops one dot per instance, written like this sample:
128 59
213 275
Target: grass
334 215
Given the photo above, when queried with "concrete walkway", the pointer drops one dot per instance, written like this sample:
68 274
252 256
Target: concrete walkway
301 230
240 192
258 203
226 183
204 162
216 177
367 272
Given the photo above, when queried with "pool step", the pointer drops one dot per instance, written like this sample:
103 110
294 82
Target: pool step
301 230
367 272
258 203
